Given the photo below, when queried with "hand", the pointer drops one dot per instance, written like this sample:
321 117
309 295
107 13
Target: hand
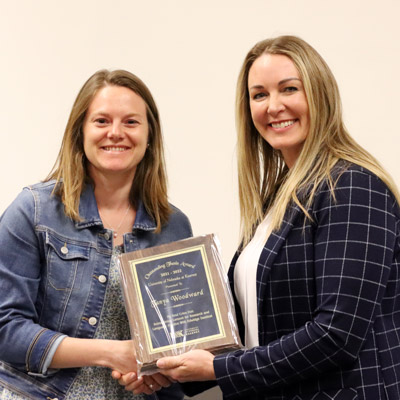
121 356
147 384
195 365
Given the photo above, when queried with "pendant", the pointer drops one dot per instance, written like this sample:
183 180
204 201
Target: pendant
115 235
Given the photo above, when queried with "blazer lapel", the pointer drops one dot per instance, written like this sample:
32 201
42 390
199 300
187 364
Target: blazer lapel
270 251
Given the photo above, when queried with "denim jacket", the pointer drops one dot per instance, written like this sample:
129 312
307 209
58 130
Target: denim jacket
53 278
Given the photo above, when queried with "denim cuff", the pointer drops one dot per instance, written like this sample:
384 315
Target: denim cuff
42 347
50 355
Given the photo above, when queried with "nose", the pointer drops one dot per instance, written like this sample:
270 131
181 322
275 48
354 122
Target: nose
115 132
275 105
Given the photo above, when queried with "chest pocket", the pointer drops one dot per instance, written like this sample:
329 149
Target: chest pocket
64 257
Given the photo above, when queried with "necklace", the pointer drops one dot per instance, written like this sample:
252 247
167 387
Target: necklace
115 231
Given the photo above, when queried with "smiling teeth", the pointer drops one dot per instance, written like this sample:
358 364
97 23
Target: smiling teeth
283 124
114 148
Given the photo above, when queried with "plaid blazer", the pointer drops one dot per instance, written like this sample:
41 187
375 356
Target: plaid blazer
328 302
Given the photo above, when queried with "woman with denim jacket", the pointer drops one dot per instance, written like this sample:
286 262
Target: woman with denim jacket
63 326
317 277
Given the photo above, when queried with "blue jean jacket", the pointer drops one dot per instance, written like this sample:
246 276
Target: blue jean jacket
53 278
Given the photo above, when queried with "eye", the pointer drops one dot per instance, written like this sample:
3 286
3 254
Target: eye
100 121
290 89
259 96
132 122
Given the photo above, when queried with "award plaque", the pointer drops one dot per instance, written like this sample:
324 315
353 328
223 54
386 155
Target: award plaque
177 299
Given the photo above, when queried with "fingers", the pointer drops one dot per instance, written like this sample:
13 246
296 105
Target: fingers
126 379
151 383
134 384
173 368
195 365
161 380
147 384
116 375
144 384
169 362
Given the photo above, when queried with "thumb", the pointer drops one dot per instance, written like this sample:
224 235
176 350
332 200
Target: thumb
168 362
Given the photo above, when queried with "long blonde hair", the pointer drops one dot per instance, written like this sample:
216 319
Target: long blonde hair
264 179
70 171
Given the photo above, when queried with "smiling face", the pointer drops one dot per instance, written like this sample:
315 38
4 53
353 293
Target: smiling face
278 104
115 132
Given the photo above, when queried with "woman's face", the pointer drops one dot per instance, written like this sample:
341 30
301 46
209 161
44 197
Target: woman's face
278 104
115 132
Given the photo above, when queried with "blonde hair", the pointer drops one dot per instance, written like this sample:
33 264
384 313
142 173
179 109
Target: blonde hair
70 171
264 178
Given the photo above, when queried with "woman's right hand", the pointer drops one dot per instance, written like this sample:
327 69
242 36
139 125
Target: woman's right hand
120 356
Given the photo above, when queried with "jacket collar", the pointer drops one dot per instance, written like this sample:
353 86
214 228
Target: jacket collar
90 214
143 220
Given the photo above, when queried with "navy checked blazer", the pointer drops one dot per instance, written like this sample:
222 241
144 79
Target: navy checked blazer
328 302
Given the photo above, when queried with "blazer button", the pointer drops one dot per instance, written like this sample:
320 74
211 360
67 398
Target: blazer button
92 321
102 279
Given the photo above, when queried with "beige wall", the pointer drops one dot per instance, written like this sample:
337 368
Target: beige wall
189 54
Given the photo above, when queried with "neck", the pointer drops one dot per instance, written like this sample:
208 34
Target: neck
112 194
113 203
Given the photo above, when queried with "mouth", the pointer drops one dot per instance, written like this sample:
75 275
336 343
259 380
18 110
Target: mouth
116 149
282 124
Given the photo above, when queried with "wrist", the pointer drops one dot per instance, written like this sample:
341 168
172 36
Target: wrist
106 353
212 376
77 352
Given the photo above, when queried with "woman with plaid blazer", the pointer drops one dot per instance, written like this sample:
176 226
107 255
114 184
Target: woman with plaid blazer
316 279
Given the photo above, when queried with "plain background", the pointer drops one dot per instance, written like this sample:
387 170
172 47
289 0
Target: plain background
189 54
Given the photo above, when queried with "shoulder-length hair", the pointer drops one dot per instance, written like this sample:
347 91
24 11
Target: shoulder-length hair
71 172
264 178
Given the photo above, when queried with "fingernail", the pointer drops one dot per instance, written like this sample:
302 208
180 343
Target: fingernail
160 364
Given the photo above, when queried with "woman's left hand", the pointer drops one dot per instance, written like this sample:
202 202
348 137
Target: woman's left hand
195 365
147 384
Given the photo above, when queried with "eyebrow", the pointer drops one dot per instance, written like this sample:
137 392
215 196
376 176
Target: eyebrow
106 114
279 83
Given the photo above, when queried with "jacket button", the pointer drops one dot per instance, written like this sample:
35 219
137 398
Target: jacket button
107 236
102 279
64 249
92 321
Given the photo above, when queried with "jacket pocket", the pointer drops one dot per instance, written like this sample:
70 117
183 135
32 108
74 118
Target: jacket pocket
64 256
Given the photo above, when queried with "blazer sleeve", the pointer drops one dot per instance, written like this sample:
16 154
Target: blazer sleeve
353 244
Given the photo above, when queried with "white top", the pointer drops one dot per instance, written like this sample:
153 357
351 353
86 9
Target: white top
245 276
